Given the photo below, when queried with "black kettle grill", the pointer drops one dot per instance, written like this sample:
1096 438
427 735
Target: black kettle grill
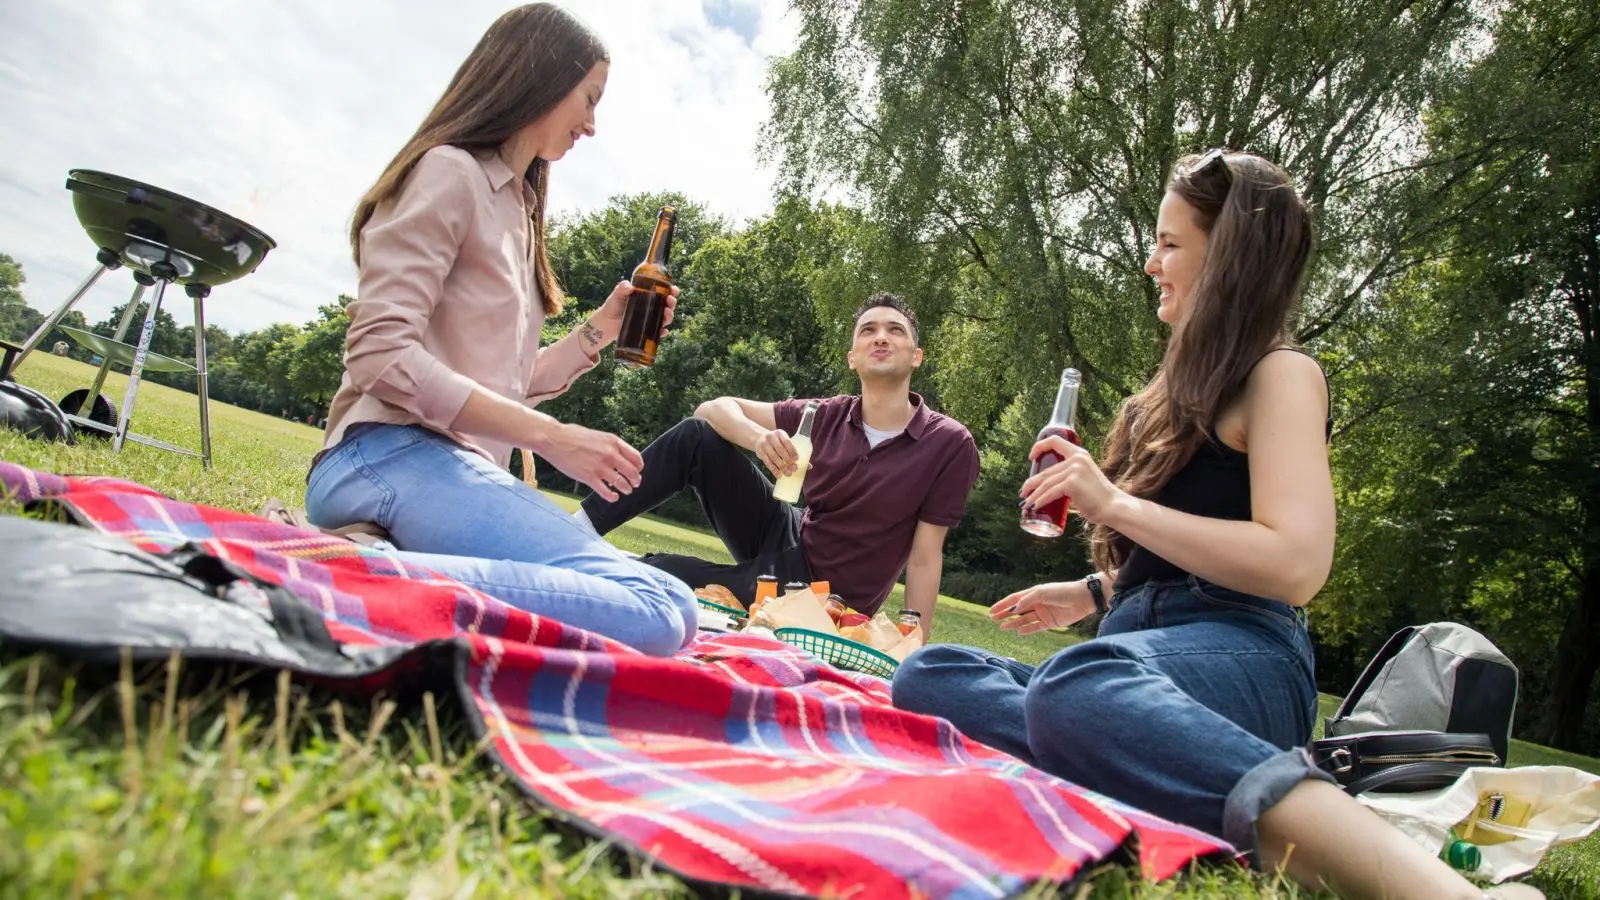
163 238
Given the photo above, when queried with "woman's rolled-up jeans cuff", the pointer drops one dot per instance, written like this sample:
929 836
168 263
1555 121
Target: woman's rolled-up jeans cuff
1258 791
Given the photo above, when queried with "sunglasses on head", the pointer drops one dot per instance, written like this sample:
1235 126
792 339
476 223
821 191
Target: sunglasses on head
1215 158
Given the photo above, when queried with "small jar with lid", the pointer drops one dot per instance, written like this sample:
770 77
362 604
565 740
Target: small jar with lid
834 604
766 588
910 621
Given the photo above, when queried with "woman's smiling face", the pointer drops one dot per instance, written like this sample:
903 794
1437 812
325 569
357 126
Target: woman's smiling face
1178 257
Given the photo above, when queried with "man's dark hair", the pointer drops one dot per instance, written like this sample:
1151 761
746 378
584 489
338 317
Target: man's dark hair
894 302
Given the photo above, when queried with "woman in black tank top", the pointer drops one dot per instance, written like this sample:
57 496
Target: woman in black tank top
1212 519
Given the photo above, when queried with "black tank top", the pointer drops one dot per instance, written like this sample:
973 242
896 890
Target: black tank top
1215 483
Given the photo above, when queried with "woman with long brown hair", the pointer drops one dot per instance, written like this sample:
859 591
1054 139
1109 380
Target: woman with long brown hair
443 357
1213 528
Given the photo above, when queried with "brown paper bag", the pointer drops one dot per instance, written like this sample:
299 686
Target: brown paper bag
883 632
907 643
801 609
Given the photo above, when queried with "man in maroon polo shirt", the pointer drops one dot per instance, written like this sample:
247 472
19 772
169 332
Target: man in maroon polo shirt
889 477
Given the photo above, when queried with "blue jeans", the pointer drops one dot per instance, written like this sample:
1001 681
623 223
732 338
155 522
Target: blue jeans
1194 702
451 510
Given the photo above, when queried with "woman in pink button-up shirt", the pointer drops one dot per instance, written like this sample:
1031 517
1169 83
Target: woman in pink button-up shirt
443 359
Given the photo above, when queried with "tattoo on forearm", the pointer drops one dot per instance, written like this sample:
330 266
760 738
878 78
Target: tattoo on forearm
592 335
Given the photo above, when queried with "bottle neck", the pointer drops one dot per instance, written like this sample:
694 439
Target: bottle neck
1065 414
806 419
661 242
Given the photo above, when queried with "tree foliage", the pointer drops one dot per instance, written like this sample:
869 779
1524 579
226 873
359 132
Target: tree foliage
1471 471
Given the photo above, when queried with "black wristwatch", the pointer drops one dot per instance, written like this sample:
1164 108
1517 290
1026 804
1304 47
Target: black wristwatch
1098 594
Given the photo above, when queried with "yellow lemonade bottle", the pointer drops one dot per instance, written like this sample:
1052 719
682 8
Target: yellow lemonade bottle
788 487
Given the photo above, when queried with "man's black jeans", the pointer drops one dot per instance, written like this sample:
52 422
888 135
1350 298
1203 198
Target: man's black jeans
761 533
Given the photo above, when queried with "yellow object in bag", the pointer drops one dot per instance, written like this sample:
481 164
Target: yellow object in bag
1495 813
1513 815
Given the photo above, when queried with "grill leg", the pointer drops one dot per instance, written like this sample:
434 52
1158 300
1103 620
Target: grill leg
199 292
51 320
122 332
146 333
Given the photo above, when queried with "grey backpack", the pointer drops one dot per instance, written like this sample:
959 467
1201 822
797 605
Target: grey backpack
1440 677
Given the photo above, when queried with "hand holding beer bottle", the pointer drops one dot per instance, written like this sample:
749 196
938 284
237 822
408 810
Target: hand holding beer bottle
1064 473
787 487
651 296
1049 520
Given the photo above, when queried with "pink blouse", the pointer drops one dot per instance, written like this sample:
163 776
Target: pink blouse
448 300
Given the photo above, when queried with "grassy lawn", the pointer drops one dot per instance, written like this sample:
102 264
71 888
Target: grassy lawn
157 781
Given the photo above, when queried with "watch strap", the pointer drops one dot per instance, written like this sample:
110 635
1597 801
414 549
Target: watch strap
1098 594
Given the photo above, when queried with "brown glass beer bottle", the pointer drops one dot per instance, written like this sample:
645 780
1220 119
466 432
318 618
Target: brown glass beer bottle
652 285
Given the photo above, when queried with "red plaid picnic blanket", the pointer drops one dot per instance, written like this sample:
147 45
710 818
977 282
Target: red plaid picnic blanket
742 762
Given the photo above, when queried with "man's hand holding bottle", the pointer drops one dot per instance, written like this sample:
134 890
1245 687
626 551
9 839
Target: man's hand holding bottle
777 452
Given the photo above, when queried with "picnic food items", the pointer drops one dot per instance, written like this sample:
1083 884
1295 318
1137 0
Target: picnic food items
719 595
766 586
822 624
834 604
903 647
851 617
857 633
910 620
766 590
881 632
796 609
818 622
1050 520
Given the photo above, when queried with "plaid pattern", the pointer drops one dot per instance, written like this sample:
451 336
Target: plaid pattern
742 762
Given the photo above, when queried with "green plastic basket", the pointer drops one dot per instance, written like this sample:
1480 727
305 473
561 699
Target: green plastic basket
727 610
844 653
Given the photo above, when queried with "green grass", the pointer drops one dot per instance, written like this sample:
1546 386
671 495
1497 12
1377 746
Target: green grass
158 781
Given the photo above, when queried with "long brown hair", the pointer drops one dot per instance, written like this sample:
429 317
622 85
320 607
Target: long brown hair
1257 248
528 61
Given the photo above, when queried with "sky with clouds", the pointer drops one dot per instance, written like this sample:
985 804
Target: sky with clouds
283 113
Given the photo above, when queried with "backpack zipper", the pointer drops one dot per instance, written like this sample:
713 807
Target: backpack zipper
1442 756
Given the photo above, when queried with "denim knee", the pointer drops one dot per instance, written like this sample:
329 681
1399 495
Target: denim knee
673 607
1064 701
921 683
685 604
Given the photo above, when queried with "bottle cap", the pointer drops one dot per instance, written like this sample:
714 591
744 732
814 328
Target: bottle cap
910 612
1464 856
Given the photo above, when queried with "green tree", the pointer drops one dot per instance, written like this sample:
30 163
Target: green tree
318 361
266 356
13 308
1471 465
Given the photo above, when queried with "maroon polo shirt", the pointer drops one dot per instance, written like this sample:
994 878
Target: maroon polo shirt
863 504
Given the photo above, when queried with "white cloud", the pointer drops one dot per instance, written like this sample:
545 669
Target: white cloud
283 113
